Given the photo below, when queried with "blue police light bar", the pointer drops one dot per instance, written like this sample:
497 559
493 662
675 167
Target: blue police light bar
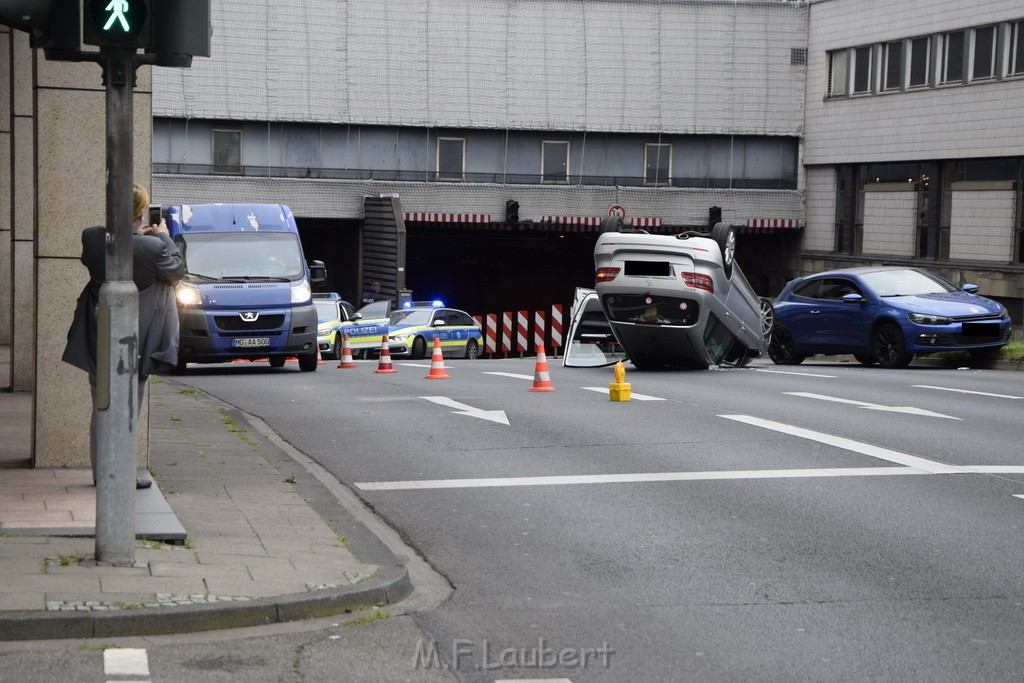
436 303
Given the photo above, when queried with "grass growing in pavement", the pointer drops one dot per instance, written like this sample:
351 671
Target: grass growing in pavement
1014 351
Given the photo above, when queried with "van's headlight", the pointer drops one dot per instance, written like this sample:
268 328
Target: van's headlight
188 295
301 293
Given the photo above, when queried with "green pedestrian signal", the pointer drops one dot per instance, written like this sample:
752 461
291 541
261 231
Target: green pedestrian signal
117 23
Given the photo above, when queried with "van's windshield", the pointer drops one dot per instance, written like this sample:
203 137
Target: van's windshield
242 255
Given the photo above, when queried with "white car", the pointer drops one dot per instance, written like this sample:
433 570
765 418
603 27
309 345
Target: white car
678 300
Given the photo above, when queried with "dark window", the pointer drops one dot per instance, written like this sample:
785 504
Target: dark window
555 159
834 289
658 164
893 65
798 56
451 157
984 53
808 289
862 70
920 55
227 151
953 58
1017 49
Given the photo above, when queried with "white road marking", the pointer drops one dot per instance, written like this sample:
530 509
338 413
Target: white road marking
414 365
908 410
632 394
462 409
965 391
509 374
800 374
128 661
848 444
643 477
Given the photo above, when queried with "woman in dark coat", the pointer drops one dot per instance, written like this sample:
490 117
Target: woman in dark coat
156 266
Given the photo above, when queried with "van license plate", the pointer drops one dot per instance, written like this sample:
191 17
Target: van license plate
252 342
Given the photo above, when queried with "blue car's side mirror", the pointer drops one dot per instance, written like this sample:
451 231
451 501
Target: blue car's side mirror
971 289
853 298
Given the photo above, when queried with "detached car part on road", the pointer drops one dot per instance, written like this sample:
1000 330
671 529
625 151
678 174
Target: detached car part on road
678 300
883 315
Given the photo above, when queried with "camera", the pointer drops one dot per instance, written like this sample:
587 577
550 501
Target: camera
154 214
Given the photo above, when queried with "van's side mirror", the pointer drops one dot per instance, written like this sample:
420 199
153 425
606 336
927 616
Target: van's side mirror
317 273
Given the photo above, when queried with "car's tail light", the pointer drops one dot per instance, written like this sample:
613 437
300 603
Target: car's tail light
699 281
606 274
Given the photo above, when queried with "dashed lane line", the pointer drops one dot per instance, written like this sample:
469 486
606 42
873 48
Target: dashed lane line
633 394
966 391
513 375
799 374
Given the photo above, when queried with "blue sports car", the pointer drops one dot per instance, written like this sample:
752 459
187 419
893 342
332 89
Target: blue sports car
883 315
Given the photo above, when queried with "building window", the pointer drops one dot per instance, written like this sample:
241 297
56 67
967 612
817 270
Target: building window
1017 48
862 69
984 53
837 71
892 77
920 60
554 160
798 56
953 57
451 158
227 151
657 164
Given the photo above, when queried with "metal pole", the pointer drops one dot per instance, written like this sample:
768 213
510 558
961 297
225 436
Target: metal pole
118 330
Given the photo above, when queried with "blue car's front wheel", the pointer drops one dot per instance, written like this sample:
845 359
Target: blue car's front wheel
889 350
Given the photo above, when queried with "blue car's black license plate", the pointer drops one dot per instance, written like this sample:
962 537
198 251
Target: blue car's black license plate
980 330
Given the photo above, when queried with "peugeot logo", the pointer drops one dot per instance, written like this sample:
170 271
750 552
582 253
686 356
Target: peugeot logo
249 316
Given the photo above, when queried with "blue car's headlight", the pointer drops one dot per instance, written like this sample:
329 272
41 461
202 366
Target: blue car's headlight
927 319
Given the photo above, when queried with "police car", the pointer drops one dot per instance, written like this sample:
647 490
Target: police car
413 328
331 312
366 328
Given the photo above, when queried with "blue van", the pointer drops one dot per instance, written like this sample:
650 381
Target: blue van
247 293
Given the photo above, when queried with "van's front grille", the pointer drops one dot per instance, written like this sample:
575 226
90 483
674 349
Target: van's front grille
234 323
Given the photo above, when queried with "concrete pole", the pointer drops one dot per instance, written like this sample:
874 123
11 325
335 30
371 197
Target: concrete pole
117 335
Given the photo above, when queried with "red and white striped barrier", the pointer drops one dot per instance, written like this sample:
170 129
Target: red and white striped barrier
522 322
556 326
506 331
539 327
491 334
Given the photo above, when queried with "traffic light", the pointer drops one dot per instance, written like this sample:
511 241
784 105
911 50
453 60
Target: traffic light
512 212
117 23
51 24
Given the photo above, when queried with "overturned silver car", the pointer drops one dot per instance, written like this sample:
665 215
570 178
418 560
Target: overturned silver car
678 300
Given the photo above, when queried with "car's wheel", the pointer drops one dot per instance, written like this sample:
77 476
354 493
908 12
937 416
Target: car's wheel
864 358
419 348
725 235
889 351
611 224
308 361
277 361
472 349
782 347
767 318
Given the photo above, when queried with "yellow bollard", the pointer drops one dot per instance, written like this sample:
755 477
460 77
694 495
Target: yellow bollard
619 389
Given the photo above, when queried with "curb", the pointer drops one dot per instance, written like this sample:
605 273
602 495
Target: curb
151 621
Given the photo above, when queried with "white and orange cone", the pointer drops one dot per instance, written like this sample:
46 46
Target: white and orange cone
437 368
541 378
346 354
385 357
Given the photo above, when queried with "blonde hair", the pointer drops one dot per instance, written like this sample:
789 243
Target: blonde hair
140 201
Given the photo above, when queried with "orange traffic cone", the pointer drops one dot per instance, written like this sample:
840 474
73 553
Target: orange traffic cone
437 369
385 356
346 354
541 378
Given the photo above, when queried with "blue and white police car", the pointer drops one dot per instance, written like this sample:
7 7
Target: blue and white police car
331 312
413 328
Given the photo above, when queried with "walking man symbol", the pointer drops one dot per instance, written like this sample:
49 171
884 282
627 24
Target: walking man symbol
117 8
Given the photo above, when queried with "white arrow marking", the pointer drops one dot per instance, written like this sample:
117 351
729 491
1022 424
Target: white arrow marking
462 409
965 391
872 406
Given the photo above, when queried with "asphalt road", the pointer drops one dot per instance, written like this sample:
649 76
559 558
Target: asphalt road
817 522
